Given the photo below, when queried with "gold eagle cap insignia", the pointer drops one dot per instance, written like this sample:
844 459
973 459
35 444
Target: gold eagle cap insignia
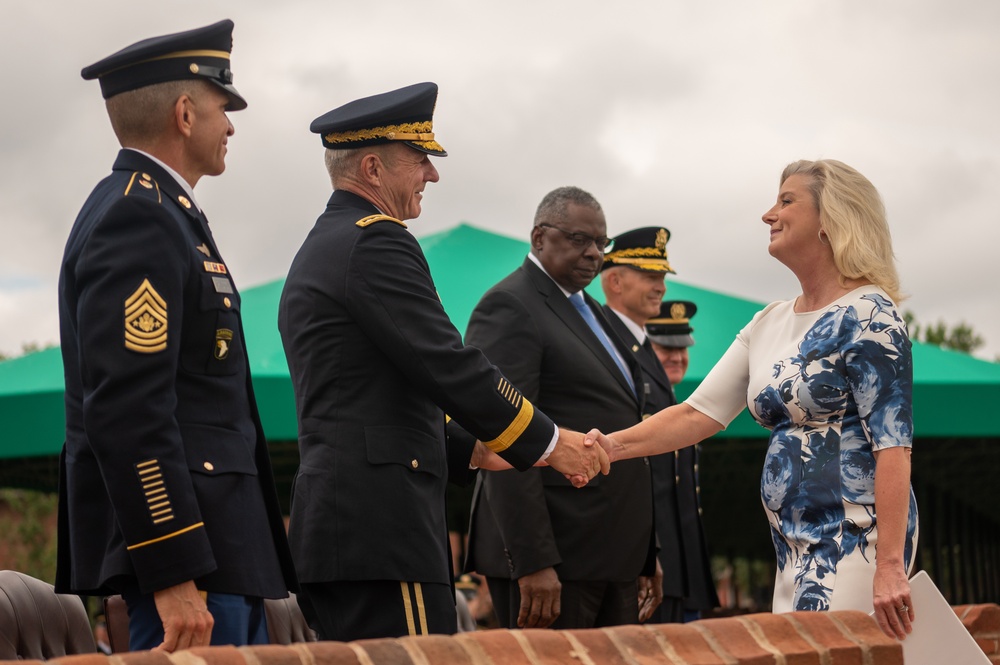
661 240
678 311
145 320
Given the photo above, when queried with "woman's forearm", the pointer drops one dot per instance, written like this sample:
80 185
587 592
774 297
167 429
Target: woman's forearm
892 503
673 428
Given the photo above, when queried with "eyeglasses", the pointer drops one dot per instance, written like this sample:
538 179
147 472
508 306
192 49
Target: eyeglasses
582 240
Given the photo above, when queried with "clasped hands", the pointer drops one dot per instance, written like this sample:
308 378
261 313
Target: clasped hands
575 456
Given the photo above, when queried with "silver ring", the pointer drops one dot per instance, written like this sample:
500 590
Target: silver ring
902 609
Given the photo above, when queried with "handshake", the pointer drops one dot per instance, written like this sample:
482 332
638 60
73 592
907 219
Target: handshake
580 457
577 456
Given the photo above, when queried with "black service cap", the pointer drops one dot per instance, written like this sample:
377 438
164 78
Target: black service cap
398 115
672 328
202 53
641 249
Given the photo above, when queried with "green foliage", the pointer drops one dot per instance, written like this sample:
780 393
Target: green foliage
960 337
26 348
28 528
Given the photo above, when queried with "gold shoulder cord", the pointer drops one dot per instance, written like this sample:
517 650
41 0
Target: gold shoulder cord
371 219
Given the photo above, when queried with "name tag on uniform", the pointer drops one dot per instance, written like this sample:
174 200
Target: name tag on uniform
215 267
222 285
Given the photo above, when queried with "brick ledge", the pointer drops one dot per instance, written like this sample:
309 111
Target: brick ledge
800 638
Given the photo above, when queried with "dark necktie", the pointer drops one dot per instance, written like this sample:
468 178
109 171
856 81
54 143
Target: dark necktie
595 327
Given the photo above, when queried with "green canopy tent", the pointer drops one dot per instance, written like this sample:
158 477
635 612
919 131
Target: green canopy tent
954 394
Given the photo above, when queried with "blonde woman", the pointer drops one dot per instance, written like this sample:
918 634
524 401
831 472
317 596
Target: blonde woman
830 374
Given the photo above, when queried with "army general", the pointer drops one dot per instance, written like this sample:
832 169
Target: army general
376 364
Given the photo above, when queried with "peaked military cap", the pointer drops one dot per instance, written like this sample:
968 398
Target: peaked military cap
202 53
399 115
642 249
672 328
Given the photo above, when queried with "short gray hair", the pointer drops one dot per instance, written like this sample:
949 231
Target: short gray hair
143 113
345 163
555 204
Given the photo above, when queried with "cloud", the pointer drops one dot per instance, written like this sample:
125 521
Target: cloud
673 113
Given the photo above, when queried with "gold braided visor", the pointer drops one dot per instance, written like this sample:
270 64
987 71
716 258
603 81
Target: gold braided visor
411 131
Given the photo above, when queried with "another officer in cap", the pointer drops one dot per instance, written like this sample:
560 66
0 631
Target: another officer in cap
670 335
632 278
376 364
166 490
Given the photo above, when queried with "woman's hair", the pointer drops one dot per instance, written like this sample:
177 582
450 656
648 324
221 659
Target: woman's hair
852 216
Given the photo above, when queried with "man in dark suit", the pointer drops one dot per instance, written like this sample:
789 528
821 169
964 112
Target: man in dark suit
166 490
670 336
553 555
376 364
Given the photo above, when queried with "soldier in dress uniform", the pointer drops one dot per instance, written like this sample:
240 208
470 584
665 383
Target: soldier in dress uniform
633 281
632 278
376 364
670 335
166 492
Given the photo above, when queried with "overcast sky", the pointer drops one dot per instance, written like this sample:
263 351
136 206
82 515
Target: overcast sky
674 113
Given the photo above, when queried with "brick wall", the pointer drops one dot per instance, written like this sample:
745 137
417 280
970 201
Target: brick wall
983 621
804 638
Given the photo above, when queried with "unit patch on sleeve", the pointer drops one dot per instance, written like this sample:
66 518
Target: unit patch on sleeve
145 320
223 338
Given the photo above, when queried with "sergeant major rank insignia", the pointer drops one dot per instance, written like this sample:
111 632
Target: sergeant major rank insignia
145 320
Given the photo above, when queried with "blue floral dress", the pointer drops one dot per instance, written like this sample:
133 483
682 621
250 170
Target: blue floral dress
833 386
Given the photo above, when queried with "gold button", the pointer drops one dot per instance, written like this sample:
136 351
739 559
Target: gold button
184 201
414 463
209 466
194 68
227 302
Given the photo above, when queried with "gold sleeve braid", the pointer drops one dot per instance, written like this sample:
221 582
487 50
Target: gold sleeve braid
514 430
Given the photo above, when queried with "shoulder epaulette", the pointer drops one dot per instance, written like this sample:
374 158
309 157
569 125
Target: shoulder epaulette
142 183
371 219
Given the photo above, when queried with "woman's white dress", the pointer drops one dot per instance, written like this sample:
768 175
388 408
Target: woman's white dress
833 386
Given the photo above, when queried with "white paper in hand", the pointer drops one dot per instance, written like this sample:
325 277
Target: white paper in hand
938 634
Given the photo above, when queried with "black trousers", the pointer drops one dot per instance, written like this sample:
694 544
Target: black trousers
582 604
346 611
671 610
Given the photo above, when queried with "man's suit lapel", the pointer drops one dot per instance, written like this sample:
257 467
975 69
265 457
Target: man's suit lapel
564 310
646 358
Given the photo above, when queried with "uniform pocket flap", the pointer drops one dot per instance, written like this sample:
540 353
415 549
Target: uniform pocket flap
407 447
214 450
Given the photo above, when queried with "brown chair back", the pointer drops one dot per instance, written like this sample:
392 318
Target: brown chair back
116 617
36 623
285 623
